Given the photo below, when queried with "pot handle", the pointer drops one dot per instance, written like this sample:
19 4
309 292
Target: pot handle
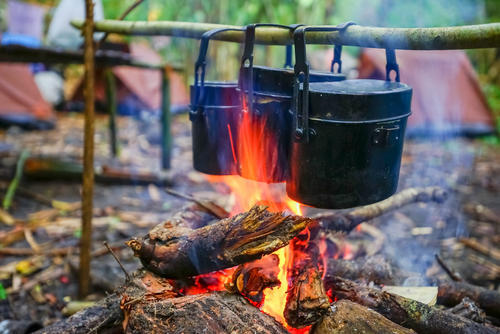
245 81
201 63
392 64
302 73
337 54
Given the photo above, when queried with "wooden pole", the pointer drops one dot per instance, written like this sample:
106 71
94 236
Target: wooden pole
440 38
111 105
88 153
166 137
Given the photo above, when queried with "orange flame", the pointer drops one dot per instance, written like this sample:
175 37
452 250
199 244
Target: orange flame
255 158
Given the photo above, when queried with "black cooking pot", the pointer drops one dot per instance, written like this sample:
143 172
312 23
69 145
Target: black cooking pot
267 99
214 114
348 140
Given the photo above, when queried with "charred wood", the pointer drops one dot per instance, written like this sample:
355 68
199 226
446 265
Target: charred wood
468 309
218 312
347 222
250 279
181 252
406 312
451 293
347 317
306 301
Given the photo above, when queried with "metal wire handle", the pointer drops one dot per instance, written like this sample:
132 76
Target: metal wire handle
200 66
245 81
301 70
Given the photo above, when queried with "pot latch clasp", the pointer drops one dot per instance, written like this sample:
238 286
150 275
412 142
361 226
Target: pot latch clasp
386 136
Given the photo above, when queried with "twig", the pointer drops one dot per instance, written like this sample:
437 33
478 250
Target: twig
120 18
210 207
11 191
452 274
127 275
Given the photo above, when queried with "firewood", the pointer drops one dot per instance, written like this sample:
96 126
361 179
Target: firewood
451 293
480 247
104 314
370 269
348 317
403 311
306 300
481 213
347 222
250 279
468 309
113 311
218 312
178 253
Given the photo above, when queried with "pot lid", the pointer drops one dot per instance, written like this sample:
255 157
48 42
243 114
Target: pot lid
359 100
280 80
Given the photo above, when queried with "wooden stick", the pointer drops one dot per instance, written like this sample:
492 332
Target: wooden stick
347 222
441 38
88 153
451 273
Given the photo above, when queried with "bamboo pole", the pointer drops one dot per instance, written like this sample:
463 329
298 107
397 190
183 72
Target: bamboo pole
441 38
88 153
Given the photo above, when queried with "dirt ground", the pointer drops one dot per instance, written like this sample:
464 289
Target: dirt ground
39 287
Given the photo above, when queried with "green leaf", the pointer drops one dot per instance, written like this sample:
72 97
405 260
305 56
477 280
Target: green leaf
3 292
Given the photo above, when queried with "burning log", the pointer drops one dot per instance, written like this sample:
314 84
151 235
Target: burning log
412 314
218 312
306 301
250 279
178 253
348 317
347 222
451 293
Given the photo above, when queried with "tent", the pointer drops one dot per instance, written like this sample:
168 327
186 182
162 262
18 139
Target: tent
21 102
447 97
139 88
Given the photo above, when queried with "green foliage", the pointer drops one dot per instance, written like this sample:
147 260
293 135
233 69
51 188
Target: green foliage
492 93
